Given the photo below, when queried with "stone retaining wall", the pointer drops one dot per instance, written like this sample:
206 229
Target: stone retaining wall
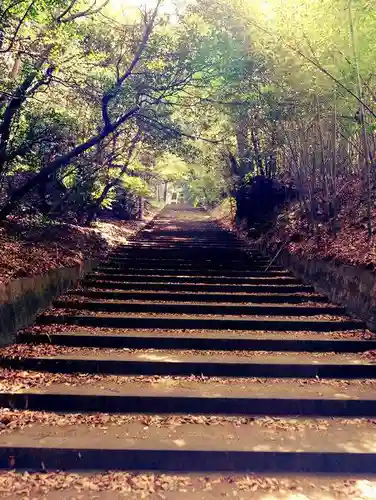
351 286
22 299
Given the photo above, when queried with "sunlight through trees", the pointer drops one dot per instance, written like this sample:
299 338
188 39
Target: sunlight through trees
96 97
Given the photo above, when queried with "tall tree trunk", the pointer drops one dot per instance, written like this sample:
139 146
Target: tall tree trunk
256 149
141 203
367 162
15 104
241 133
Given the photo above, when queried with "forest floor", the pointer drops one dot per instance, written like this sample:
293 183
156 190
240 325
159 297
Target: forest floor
344 239
31 247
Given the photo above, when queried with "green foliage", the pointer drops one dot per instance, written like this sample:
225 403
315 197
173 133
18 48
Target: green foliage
135 186
171 168
219 89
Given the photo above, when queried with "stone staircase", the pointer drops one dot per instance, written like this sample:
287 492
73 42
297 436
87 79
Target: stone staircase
252 370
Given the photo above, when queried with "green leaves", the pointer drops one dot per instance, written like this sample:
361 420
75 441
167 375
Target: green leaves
136 186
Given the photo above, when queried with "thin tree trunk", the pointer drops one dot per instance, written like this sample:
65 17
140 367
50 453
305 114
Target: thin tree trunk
256 149
367 163
14 105
241 133
141 203
113 182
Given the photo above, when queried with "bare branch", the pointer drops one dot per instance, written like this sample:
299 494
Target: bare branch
20 23
114 182
88 12
319 67
62 161
108 96
66 11
45 80
173 131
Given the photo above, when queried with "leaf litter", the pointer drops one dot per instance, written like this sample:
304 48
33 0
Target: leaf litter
37 486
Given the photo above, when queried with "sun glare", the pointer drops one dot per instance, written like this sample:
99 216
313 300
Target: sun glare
267 9
123 5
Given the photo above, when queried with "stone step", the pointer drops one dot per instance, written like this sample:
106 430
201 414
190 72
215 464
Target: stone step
199 297
265 397
188 322
225 264
189 238
184 248
332 446
190 287
181 278
181 253
199 309
182 363
209 486
226 341
196 264
111 268
204 260
181 257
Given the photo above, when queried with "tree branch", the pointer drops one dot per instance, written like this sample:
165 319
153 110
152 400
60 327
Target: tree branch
318 66
20 23
88 12
108 96
61 161
178 133
65 12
